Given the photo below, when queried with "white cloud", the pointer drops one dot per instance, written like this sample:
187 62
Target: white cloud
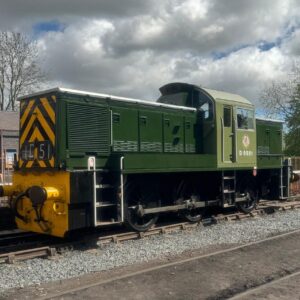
16 12
193 9
292 46
133 47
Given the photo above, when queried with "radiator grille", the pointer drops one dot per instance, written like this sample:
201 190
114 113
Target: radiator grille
88 128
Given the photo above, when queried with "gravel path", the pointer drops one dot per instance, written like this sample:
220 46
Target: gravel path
75 263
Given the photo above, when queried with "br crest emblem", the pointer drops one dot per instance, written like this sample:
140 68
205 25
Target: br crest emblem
246 141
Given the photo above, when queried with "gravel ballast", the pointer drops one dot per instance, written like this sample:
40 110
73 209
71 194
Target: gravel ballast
76 263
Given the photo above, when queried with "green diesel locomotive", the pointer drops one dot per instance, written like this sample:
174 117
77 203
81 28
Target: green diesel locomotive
90 159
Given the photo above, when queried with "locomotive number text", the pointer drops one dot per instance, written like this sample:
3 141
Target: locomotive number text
38 150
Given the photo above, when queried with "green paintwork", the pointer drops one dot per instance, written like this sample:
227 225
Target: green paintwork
235 147
161 138
190 134
170 162
150 140
269 143
173 131
125 129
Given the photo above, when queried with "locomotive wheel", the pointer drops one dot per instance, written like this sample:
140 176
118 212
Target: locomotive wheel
251 195
187 190
135 196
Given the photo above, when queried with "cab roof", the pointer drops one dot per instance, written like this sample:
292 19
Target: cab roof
178 87
219 95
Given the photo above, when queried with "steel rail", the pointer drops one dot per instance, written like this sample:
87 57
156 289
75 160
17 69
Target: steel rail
266 207
14 236
50 248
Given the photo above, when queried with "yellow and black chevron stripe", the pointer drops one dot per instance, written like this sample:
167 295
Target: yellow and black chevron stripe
37 125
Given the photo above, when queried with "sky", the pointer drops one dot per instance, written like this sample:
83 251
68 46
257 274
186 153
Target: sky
132 47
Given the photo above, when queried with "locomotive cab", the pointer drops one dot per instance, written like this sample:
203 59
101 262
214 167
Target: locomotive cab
225 121
192 96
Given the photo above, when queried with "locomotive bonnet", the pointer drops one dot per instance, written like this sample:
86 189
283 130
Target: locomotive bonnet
89 159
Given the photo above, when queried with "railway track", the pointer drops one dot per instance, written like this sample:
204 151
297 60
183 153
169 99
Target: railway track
17 249
16 240
12 236
265 207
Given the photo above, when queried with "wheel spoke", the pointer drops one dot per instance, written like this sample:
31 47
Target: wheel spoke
135 197
251 198
188 190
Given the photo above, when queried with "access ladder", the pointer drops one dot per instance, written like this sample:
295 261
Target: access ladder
107 207
228 187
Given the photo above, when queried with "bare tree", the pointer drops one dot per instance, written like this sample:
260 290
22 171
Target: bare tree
278 94
19 68
282 98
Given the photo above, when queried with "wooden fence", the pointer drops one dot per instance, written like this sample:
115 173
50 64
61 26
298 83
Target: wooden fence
295 186
6 171
296 163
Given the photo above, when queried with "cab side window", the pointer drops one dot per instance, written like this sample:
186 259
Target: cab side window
227 116
204 107
245 118
203 104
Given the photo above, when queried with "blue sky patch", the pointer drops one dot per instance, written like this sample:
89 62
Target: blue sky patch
221 54
266 46
43 27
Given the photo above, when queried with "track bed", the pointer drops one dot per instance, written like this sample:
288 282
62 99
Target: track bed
218 275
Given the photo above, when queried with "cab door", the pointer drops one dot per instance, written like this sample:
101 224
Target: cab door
227 135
